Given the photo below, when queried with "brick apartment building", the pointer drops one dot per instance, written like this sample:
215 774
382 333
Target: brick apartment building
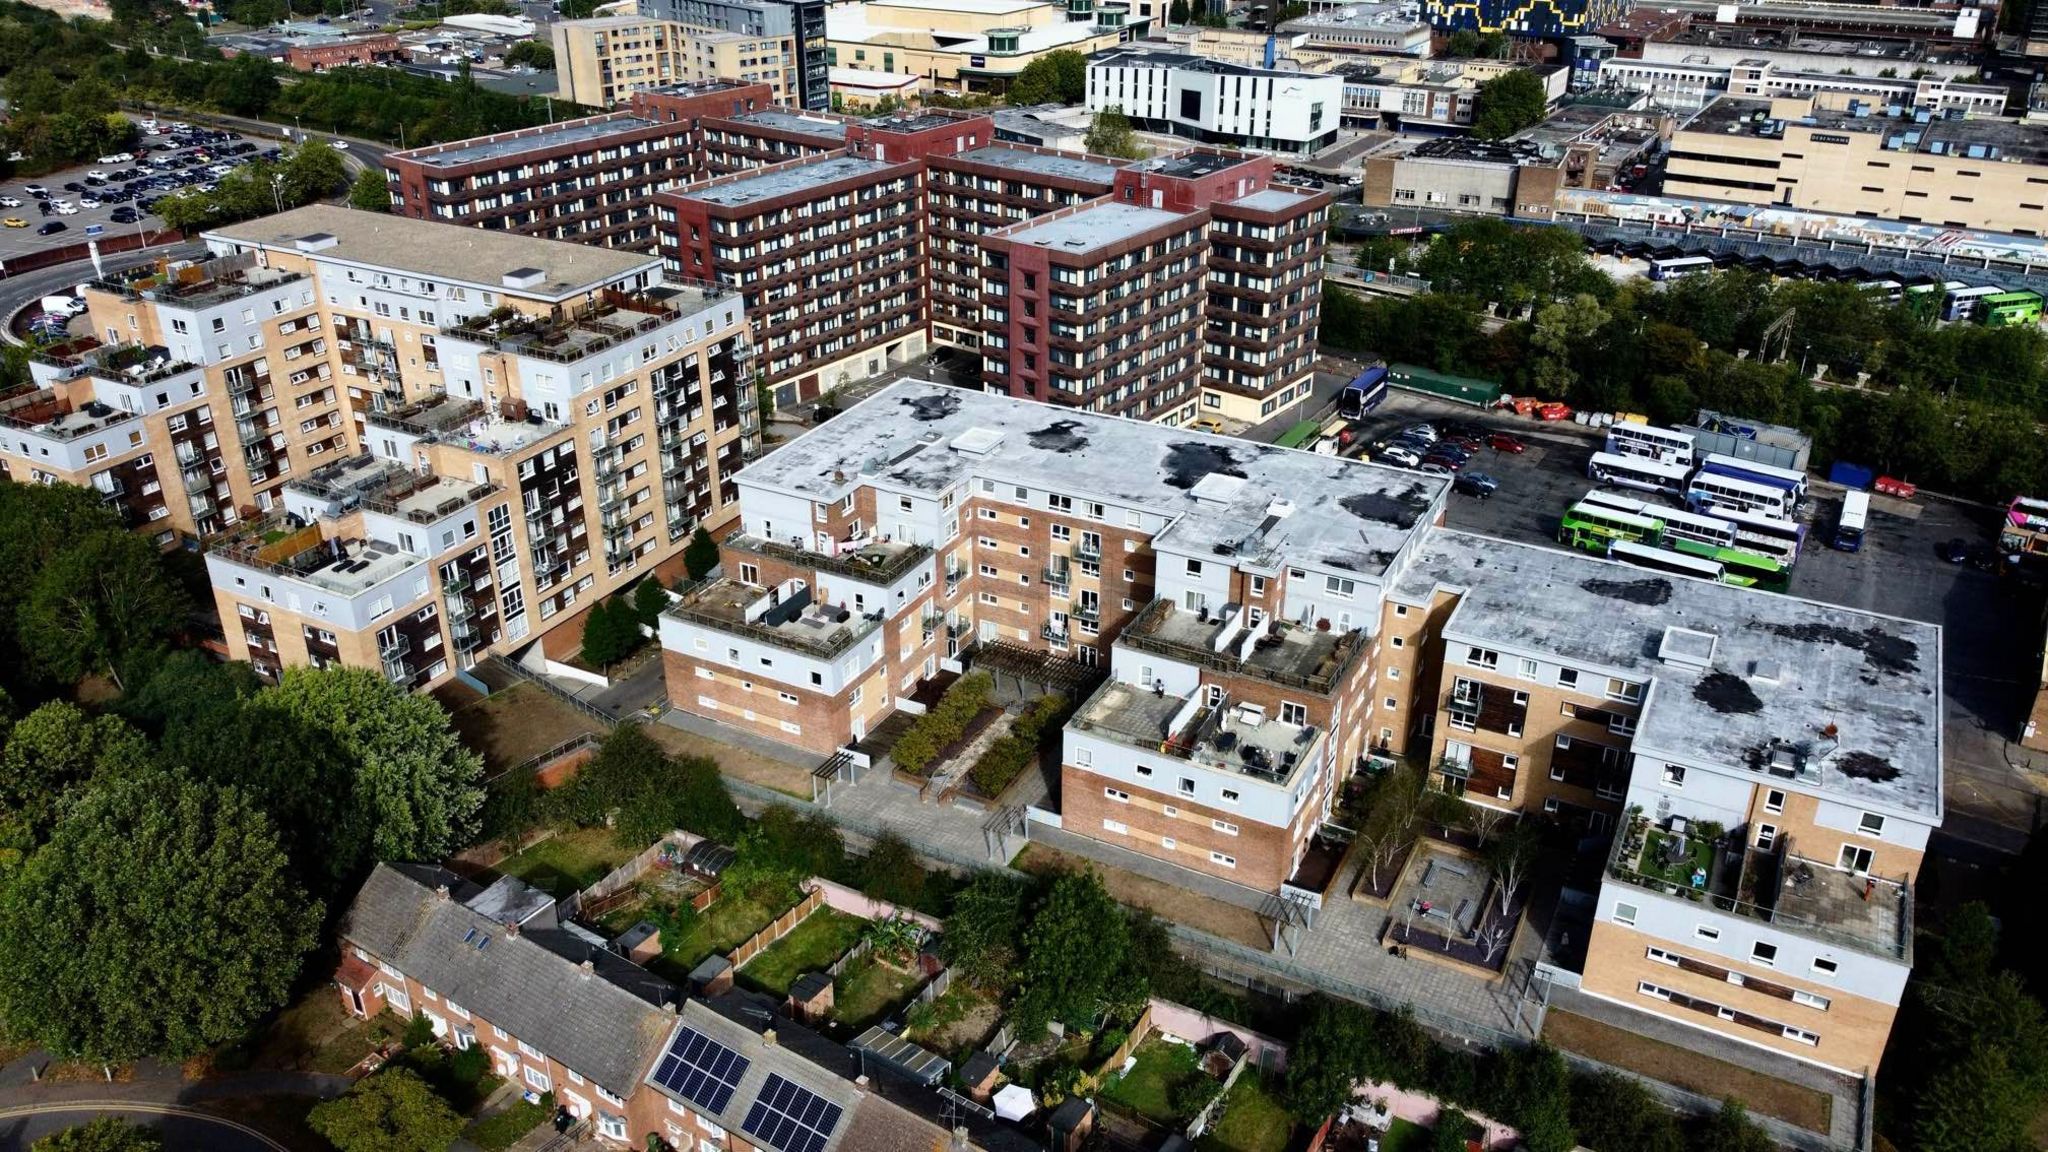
1265 620
622 1050
346 52
604 61
405 444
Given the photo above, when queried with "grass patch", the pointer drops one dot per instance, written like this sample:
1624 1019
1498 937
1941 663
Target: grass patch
1147 1088
569 861
515 724
314 1034
1699 856
1405 1136
1253 1120
955 1024
1795 1104
868 990
821 938
729 922
501 1130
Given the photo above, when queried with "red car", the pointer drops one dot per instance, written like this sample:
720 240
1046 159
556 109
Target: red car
1468 443
1502 442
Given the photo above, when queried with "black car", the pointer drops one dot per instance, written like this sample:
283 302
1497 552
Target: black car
52 228
74 186
124 216
43 206
1477 485
1955 551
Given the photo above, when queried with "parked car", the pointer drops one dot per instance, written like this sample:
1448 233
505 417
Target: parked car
1430 468
1396 455
1425 431
36 190
88 202
14 222
1502 442
64 208
1451 462
1477 485
1463 443
52 228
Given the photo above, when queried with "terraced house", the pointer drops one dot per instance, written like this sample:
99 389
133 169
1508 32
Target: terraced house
403 443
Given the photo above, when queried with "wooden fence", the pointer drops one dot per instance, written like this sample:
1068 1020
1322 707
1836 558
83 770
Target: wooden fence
781 927
860 948
1140 1029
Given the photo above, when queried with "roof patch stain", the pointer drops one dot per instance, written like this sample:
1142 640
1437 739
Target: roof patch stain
1403 509
1187 461
1727 693
1864 766
1649 591
1881 650
932 406
1062 436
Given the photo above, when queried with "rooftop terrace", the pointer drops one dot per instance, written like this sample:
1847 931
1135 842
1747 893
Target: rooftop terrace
1917 131
196 285
44 413
465 424
873 561
784 121
133 364
586 330
1239 738
797 623
343 567
1289 655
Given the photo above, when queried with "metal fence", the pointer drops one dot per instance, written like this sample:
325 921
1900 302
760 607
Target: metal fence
514 669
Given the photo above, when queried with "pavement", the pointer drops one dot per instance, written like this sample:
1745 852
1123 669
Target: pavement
154 1094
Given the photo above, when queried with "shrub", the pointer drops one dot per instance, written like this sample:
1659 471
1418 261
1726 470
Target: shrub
1191 1094
469 1065
930 733
1011 755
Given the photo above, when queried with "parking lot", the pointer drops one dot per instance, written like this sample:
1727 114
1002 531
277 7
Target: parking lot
162 164
1992 625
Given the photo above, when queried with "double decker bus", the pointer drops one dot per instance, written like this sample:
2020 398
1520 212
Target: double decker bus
1772 536
1680 527
1364 393
1637 472
1705 537
2010 308
1962 303
1660 444
1595 528
1717 495
1791 480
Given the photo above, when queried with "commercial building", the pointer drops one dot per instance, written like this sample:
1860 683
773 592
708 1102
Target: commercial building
1833 154
971 45
586 180
603 61
1488 177
1401 94
1689 86
1217 103
313 47
1532 19
1804 51
798 26
1368 28
859 88
404 444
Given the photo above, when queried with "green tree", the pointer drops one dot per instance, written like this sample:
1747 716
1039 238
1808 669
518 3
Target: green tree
1508 103
892 871
104 1134
159 920
1076 955
1177 13
1110 134
649 601
984 932
1561 328
532 53
1328 1058
1731 1130
1537 1094
700 555
392 1111
56 749
1058 77
1615 1113
100 602
1453 1128
611 632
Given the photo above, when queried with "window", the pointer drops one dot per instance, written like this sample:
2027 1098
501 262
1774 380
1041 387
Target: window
1801 1035
1623 690
1871 824
1706 932
1528 668
1764 954
1117 795
1224 826
1855 858
1224 860
1624 913
1810 1000
1482 657
538 1079
1230 795
1567 678
1766 835
1338 586
1116 826
1774 801
1292 713
1168 843
1674 776
1187 786
1824 967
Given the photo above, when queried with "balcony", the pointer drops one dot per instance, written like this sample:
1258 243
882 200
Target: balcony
1053 633
1237 738
571 336
202 505
1290 655
1058 578
1088 613
795 624
1088 551
872 562
257 455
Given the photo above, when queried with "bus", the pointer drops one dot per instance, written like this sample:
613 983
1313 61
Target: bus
1713 494
1962 303
1679 526
1630 439
1679 266
1890 291
1301 435
1772 536
1672 563
1593 528
1363 394
1637 472
1791 480
1855 514
2010 308
2026 526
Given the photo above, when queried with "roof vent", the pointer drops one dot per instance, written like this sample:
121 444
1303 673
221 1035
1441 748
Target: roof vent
977 441
1765 671
1280 509
315 242
1687 648
524 278
1217 490
768 1038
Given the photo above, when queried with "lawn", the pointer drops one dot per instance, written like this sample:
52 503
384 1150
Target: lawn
869 990
312 1035
1147 1088
513 725
821 938
1699 857
501 1130
957 1023
1253 1120
1793 1103
730 921
569 861
1403 1136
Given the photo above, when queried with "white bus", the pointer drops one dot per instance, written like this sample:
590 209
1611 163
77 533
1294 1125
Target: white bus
1790 479
1855 515
1960 303
1630 439
1888 290
1712 493
1772 536
1663 560
1637 472
1678 524
1678 266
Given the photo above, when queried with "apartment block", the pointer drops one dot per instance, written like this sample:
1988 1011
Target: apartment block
605 61
1834 153
828 254
623 1051
584 180
768 136
1214 102
464 436
798 25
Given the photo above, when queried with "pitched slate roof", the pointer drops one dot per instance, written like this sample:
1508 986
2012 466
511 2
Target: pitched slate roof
607 1023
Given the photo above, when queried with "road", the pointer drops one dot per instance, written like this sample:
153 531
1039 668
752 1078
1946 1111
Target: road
183 1129
20 291
360 155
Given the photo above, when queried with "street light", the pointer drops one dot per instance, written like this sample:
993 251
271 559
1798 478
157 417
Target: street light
277 190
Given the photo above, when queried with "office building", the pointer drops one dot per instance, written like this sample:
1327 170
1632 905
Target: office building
1404 95
407 444
1360 28
1212 102
798 25
1834 154
604 60
1689 86
1522 18
968 46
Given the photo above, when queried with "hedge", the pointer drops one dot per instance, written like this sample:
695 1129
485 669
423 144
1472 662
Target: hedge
921 743
1015 752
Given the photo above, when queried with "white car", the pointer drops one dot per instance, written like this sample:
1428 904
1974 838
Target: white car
96 174
9 202
339 145
87 202
65 209
1397 456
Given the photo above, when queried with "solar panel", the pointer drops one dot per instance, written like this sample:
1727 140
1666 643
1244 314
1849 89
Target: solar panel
790 1117
701 1070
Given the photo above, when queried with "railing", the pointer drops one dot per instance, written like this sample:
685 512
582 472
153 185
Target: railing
1090 552
1053 633
1087 613
1142 635
887 573
838 641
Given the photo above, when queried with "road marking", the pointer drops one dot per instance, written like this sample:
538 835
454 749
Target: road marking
145 1109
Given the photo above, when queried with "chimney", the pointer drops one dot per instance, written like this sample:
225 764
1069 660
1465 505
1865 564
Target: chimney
861 1081
587 966
441 891
960 1139
768 1038
511 929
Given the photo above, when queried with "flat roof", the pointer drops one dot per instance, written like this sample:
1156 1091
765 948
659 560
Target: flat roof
1098 226
977 7
569 132
436 250
790 122
1151 58
800 177
1778 668
1064 165
1914 130
1270 503
1271 200
1190 164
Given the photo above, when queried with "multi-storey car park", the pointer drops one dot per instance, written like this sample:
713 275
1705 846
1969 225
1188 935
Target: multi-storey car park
403 444
1265 621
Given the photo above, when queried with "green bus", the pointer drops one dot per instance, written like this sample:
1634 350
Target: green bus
2010 308
1594 529
1302 435
1739 567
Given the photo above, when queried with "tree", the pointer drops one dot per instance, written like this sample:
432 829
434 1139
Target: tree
532 53
1110 134
1451 1131
103 1134
1177 13
56 749
1731 1130
649 601
100 602
611 632
1615 1113
159 920
1537 1091
1074 953
370 192
1390 822
1511 856
700 555
1509 103
1326 1061
1561 328
392 1111
1058 77
984 932
892 871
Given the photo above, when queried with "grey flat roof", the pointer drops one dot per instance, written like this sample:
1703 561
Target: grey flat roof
791 122
572 132
795 178
1092 228
1270 200
1967 139
1781 669
1221 492
439 251
1064 165
1190 164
